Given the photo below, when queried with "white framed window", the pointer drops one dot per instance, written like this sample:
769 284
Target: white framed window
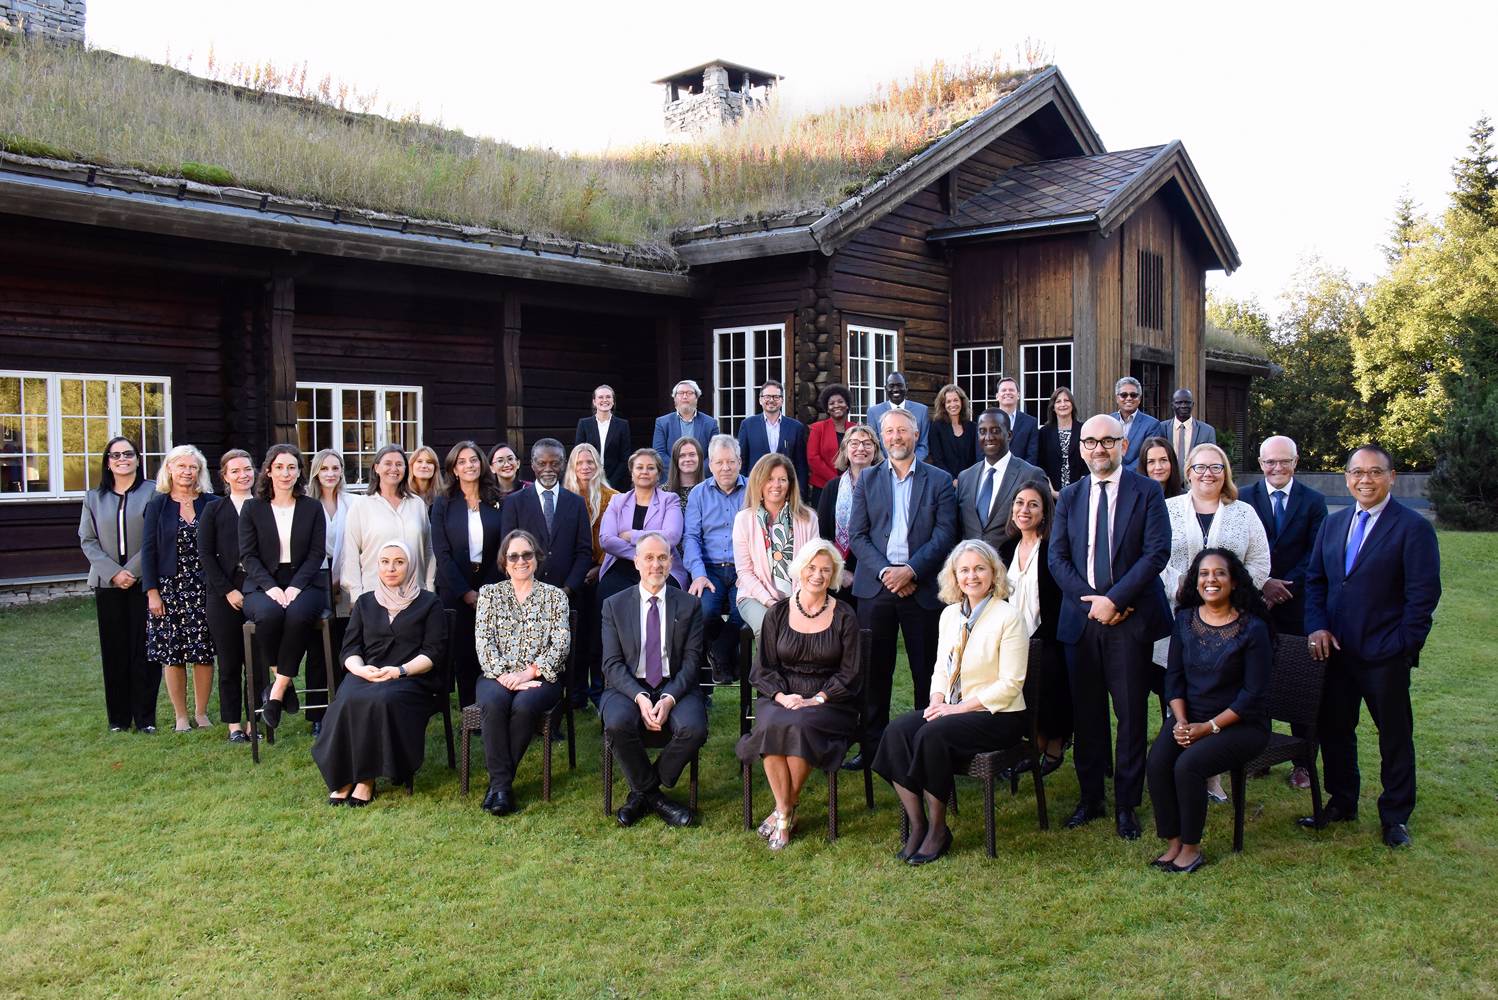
53 428
1043 366
744 358
977 370
357 421
872 354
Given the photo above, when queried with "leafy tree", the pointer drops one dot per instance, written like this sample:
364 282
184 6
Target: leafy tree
1476 176
1464 488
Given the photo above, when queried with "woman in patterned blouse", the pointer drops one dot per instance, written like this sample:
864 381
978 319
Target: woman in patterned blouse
522 636
767 534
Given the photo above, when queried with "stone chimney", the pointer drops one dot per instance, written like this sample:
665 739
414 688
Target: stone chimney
705 98
59 20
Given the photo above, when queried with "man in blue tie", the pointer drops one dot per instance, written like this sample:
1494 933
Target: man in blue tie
1371 592
986 489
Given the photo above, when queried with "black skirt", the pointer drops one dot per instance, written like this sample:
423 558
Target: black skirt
373 730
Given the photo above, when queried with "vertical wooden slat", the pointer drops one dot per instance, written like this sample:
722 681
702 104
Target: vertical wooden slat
668 363
280 316
511 383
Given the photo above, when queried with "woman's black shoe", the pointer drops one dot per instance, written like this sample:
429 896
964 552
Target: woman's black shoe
1176 869
1049 763
271 713
926 859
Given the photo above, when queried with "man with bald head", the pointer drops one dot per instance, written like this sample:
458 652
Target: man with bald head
1110 541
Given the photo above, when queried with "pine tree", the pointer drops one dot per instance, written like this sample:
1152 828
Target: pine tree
1476 176
1405 232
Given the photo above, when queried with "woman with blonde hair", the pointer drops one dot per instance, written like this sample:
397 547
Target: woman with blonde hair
859 450
425 476
953 442
767 534
327 485
176 588
586 477
218 548
977 697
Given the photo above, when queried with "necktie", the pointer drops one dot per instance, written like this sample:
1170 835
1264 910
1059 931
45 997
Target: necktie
653 672
1279 513
1356 542
985 494
1181 444
1102 561
549 509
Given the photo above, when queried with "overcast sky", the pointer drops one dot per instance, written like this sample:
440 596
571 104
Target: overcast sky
1305 120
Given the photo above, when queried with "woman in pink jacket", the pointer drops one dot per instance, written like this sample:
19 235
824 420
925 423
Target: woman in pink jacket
767 534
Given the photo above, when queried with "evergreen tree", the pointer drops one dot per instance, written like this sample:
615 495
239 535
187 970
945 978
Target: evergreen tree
1464 488
1476 176
1408 229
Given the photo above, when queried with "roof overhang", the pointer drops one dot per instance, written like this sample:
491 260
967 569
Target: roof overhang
1234 363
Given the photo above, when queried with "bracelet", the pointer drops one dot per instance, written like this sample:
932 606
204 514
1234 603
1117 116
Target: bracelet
1213 723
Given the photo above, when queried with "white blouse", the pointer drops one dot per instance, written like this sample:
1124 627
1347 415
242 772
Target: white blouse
1024 590
475 537
284 516
372 522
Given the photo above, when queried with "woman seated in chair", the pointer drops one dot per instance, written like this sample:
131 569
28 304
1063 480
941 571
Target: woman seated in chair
376 726
523 636
977 698
1216 681
808 676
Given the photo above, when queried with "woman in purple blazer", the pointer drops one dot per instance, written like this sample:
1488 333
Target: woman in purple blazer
647 507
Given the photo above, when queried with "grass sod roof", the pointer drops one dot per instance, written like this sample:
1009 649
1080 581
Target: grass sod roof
95 107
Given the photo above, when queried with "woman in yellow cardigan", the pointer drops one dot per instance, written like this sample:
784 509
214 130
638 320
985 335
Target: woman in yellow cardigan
977 698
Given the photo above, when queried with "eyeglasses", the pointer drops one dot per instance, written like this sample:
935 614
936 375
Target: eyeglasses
1201 469
770 397
1128 395
1276 463
520 557
116 456
1367 473
1094 443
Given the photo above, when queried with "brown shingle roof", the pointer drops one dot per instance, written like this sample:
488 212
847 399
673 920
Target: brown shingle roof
1054 189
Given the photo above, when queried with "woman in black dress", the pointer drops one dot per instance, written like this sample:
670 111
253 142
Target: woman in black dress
176 591
218 547
376 726
953 443
807 674
1220 657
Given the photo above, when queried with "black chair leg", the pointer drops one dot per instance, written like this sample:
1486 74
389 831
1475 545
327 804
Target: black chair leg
832 803
989 837
608 775
1040 806
546 726
465 758
1315 791
748 778
868 786
1239 807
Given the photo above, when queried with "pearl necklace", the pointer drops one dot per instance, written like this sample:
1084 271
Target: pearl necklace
826 603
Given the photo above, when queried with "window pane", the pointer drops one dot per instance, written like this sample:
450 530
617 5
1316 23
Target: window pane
38 475
72 396
10 394
130 399
74 472
98 397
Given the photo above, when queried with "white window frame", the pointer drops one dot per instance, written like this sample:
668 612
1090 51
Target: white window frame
54 427
867 373
382 429
989 376
733 403
1035 405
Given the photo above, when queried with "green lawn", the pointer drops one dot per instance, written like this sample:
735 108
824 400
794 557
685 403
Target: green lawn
169 866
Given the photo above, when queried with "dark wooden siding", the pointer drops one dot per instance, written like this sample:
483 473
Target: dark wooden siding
771 290
565 355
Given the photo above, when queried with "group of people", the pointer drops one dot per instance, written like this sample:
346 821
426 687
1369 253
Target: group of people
1118 545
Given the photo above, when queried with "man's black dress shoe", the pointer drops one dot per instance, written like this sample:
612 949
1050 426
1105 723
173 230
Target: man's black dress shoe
1397 835
1085 813
633 809
917 860
504 802
854 763
1128 824
488 804
674 813
1330 814
1176 869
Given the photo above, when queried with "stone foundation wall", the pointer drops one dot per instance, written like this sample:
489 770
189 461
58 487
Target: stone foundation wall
61 20
40 592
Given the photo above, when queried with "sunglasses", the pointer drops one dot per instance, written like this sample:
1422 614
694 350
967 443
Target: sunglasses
115 456
1128 395
520 557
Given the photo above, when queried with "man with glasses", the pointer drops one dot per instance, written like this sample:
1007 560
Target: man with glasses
1372 587
684 420
1137 425
770 431
1110 541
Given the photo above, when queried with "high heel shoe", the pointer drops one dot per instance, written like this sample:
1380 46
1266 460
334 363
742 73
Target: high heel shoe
784 827
768 826
357 802
926 859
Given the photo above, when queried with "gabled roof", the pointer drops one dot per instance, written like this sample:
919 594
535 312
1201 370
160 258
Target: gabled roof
1095 192
758 77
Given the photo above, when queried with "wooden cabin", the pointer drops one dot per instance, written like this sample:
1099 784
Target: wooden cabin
180 312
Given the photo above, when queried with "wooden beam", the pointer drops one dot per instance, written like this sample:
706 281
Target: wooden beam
280 316
668 360
512 384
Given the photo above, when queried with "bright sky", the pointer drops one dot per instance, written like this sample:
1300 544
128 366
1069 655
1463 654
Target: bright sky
1306 120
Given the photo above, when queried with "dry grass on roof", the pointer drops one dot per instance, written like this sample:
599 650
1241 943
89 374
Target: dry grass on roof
97 107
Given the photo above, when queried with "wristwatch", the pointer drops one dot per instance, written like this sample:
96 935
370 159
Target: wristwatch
402 669
1213 723
820 699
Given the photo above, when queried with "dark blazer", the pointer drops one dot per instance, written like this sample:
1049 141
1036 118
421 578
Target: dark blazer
569 547
617 451
1024 437
950 452
994 528
1290 552
621 642
449 519
931 535
218 548
1383 608
1144 426
1050 453
667 430
754 442
827 517
158 540
1141 549
1050 590
260 545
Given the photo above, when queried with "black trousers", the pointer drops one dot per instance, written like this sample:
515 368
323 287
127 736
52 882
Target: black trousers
586 681
510 720
1055 692
132 683
885 615
923 756
1178 775
285 634
226 626
1111 661
686 728
1385 686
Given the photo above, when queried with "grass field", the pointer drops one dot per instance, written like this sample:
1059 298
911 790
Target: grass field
169 866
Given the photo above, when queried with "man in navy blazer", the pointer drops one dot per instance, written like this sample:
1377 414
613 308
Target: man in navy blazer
1137 424
684 419
1024 430
902 526
897 398
567 536
1113 609
1372 587
789 433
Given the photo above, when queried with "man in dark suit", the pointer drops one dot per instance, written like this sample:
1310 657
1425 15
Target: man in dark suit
1110 541
556 517
1292 513
1023 429
902 526
682 421
610 435
1185 431
1372 587
652 652
771 431
1137 424
897 397
985 490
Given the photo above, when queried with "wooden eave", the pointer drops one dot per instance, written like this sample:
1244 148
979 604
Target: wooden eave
1240 364
1172 163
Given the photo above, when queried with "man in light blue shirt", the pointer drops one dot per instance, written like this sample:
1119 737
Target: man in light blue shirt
707 550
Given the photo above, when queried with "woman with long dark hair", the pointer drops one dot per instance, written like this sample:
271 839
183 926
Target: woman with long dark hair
1157 460
505 465
218 548
389 510
687 469
1061 442
465 544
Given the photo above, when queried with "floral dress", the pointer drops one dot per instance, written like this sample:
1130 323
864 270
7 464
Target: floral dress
181 635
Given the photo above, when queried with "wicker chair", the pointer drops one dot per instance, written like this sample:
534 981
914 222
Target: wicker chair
1295 684
746 722
472 721
253 707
